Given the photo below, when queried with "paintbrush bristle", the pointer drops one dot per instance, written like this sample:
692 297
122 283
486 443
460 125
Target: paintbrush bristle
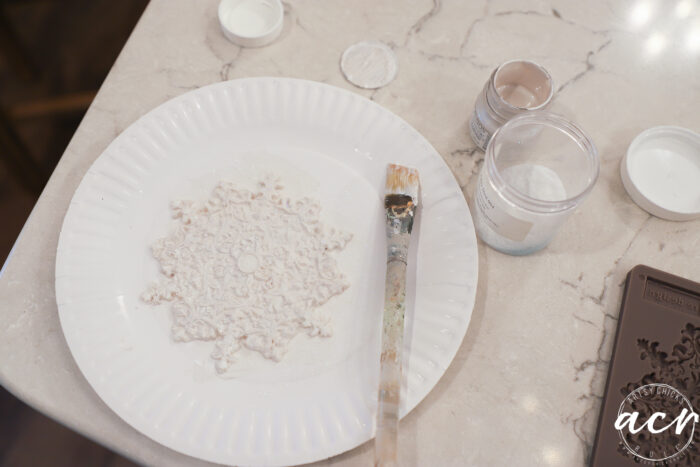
401 180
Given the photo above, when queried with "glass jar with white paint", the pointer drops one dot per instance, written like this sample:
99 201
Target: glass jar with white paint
515 87
538 169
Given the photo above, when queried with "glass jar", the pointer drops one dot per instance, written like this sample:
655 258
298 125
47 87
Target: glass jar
537 170
515 87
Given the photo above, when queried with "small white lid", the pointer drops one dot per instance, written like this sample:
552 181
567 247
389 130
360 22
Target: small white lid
251 23
661 172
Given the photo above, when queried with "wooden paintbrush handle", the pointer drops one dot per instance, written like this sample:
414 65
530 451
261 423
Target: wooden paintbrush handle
390 363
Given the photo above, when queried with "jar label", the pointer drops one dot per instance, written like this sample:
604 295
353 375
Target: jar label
479 133
496 217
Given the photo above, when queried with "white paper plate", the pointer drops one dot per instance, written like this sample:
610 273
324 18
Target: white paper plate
321 399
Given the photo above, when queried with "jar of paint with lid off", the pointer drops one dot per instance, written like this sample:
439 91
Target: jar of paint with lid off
515 87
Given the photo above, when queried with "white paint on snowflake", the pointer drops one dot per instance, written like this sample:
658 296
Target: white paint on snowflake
248 269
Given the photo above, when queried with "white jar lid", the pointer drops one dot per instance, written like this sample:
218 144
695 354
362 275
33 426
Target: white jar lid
251 23
661 172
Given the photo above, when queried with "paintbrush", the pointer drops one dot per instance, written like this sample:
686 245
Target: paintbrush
400 202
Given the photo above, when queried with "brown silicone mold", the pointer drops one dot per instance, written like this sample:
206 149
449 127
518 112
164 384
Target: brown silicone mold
658 341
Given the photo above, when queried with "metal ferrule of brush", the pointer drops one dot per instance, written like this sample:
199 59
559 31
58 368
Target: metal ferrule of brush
398 234
399 223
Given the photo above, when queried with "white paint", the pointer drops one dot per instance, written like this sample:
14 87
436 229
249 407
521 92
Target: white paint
661 172
251 23
670 179
536 181
511 228
249 18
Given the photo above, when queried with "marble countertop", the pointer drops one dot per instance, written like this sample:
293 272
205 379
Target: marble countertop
526 385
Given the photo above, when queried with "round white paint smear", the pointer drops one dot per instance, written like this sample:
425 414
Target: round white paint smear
369 64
